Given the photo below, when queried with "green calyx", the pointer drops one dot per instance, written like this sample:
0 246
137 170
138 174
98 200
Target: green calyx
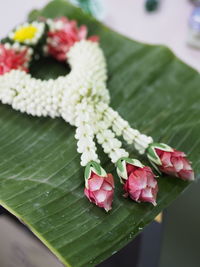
153 156
121 167
94 167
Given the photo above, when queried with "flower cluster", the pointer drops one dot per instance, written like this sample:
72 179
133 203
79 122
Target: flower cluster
139 180
63 34
28 33
14 57
54 37
170 161
61 96
99 186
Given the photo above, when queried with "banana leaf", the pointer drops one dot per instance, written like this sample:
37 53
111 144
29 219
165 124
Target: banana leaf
41 181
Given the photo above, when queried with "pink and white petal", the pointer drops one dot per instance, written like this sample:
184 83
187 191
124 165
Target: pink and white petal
152 182
130 168
106 186
110 179
169 170
186 164
186 175
100 196
177 163
126 185
147 196
90 196
95 183
159 152
148 171
82 33
108 201
177 153
135 195
146 193
138 180
166 159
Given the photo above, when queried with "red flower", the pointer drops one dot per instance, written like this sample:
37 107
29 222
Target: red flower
12 59
60 40
140 184
175 163
100 190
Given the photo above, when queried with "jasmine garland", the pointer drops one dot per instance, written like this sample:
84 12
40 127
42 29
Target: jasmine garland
82 99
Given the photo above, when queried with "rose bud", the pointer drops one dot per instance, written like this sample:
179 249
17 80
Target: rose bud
64 35
170 161
139 180
99 186
12 59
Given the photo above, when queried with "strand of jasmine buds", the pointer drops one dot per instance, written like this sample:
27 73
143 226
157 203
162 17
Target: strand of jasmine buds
106 138
122 128
85 134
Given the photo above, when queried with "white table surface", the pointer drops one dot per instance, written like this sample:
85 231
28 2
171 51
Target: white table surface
168 26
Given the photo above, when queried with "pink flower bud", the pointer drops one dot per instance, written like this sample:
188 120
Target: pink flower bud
175 163
11 59
99 187
139 181
171 161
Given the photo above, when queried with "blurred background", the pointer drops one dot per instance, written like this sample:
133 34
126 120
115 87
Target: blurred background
177 25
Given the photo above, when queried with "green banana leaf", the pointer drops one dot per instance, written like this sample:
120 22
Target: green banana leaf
41 181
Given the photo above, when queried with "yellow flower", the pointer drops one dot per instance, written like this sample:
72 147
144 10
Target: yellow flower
25 33
28 33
